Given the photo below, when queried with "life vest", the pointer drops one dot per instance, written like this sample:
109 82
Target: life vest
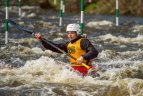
75 50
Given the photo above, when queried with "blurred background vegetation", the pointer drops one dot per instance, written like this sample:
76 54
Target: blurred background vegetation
126 7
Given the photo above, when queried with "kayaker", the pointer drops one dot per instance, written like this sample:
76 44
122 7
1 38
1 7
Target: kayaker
77 46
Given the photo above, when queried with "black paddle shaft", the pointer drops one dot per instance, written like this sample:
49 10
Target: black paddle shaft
30 32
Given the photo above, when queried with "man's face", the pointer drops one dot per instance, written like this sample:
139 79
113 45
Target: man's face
71 35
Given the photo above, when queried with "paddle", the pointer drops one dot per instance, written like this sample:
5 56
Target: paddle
28 31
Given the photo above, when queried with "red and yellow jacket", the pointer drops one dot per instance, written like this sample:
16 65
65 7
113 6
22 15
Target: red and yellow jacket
76 48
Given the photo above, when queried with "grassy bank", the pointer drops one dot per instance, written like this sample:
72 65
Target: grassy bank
126 7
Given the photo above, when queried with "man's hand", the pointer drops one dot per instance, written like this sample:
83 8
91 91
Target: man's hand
37 36
80 60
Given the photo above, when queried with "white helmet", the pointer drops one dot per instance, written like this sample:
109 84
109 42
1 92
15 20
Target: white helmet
73 27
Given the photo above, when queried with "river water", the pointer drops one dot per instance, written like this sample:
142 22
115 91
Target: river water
27 69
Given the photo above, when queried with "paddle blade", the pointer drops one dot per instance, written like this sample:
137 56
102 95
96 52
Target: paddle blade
14 24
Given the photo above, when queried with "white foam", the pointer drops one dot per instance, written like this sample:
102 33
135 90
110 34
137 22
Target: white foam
98 24
120 39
